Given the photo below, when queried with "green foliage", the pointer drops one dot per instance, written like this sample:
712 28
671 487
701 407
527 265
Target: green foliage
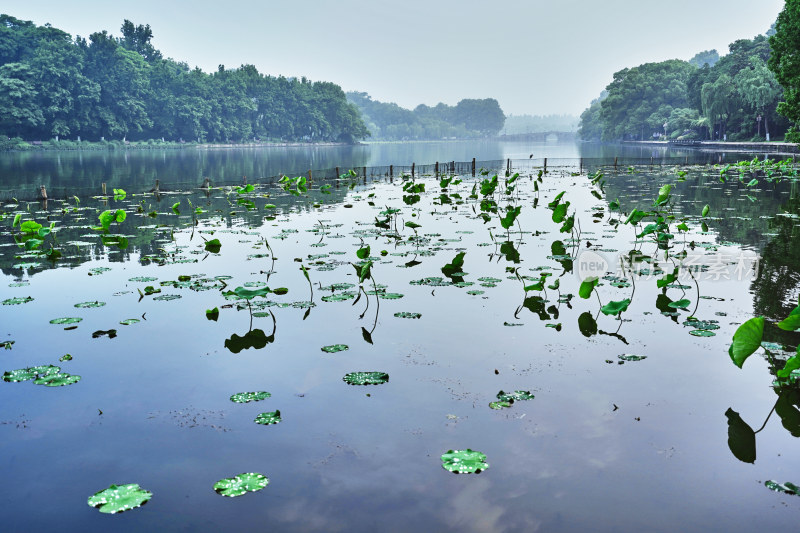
241 484
587 286
741 438
464 461
119 498
123 88
247 397
746 340
366 378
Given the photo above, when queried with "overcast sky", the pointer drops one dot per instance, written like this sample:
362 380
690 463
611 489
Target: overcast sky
534 56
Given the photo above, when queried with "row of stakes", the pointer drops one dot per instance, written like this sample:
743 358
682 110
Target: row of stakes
448 167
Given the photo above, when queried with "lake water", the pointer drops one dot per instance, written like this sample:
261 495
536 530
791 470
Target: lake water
609 442
65 174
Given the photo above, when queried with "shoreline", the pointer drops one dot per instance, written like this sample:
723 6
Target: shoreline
719 146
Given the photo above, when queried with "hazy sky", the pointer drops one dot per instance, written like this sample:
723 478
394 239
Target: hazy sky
534 56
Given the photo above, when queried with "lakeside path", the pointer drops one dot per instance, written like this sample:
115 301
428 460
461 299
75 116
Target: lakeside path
773 147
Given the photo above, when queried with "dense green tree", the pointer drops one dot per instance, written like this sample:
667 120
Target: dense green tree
706 57
123 88
785 63
19 113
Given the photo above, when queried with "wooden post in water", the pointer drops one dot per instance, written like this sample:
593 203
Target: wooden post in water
473 167
391 171
687 159
508 166
309 176
412 169
365 174
651 162
156 188
42 193
104 189
337 173
581 167
545 165
436 169
453 167
615 164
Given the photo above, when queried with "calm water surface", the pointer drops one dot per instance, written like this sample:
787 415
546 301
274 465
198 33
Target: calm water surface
605 445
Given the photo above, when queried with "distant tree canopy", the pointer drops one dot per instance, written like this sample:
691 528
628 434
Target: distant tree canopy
52 85
707 97
520 124
467 119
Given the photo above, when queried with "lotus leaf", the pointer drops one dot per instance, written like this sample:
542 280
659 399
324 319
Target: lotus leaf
18 300
119 498
58 379
464 461
66 320
241 484
366 378
246 397
787 488
405 314
89 305
129 321
268 418
333 348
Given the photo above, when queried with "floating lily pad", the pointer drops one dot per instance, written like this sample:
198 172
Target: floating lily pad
241 484
58 379
516 396
268 418
404 314
500 405
246 397
341 297
17 301
702 333
167 297
89 305
333 348
98 270
129 321
631 357
366 378
65 357
119 498
787 488
143 279
66 320
390 296
464 461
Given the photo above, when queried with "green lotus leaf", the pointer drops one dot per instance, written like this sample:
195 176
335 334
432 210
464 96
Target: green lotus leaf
268 418
341 297
66 320
787 488
89 305
129 321
18 300
247 397
631 357
516 396
366 378
702 333
143 279
680 304
241 484
405 314
119 498
464 461
333 348
791 322
746 340
21 374
615 308
58 379
500 405
587 286
167 297
65 357
213 246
